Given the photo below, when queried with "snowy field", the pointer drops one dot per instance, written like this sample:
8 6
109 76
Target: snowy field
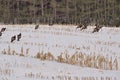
59 53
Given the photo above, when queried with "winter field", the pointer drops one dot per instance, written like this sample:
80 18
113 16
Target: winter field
59 52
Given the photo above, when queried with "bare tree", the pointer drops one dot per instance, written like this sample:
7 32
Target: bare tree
54 8
75 11
67 10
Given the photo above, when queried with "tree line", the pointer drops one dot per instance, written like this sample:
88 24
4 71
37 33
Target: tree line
60 11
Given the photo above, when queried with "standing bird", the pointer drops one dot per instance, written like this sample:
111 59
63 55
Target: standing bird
84 27
79 26
13 38
51 23
37 26
19 36
3 29
97 28
0 33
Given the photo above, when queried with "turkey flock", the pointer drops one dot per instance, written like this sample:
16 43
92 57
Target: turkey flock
81 26
13 38
84 26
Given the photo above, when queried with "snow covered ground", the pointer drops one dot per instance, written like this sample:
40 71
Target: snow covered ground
57 39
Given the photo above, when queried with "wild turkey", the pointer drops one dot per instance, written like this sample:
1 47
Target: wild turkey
37 26
19 36
3 29
97 28
0 33
79 26
13 38
51 23
84 27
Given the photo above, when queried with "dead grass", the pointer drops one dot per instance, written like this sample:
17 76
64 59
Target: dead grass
78 58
